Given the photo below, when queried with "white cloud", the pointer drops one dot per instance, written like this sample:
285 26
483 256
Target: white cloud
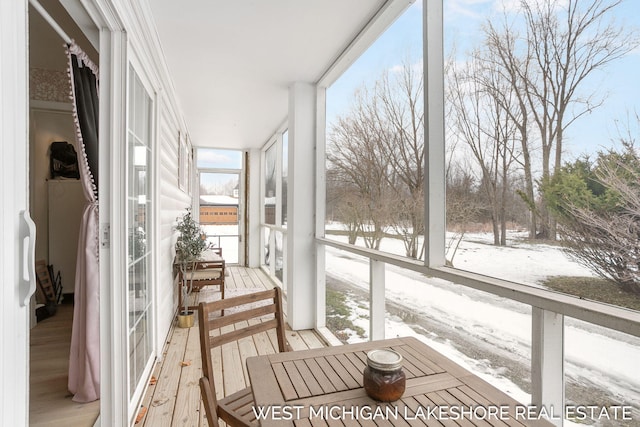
509 6
456 9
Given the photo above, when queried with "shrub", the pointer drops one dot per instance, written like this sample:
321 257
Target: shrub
597 205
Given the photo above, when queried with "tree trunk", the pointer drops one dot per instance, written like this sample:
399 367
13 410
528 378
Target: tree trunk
529 192
496 230
503 203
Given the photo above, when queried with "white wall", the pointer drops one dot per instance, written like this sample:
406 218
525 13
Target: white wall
172 202
49 122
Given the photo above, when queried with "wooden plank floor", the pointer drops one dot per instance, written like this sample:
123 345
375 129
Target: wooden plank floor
174 398
50 402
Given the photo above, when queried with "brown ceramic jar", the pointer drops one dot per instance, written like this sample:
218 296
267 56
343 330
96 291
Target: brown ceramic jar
383 378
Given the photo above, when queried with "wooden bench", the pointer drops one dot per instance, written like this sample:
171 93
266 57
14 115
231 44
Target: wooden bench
210 271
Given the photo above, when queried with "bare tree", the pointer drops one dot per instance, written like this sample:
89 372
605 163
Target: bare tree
482 101
378 149
463 206
340 205
400 95
564 43
357 160
503 57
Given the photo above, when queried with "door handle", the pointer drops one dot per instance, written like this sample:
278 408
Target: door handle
28 276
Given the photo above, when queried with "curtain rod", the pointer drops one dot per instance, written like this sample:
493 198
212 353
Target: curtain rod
37 6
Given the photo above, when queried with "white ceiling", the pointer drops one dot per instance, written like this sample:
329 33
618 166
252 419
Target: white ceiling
232 61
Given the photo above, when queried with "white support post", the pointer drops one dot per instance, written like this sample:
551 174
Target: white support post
433 67
279 167
254 200
113 48
320 194
547 363
301 248
321 287
272 253
285 282
113 330
376 299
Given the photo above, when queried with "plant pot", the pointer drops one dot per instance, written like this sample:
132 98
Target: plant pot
186 320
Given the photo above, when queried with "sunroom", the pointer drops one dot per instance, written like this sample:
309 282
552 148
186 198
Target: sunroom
281 106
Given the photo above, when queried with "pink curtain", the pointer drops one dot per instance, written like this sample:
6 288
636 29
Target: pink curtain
84 357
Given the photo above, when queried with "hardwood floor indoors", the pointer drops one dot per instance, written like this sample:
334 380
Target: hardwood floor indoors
50 402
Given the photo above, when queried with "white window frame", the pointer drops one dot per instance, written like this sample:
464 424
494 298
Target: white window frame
242 240
134 402
274 142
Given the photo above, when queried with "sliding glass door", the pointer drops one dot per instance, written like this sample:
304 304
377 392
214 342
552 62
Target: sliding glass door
139 209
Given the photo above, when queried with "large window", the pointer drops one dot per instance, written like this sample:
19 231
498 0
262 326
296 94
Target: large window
220 206
214 158
535 143
221 199
275 207
531 193
285 177
515 180
375 144
270 184
139 212
374 168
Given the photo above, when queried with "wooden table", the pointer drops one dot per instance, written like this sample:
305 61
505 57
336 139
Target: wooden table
324 387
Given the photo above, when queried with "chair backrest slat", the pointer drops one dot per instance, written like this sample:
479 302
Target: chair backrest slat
251 298
208 265
230 319
242 333
208 323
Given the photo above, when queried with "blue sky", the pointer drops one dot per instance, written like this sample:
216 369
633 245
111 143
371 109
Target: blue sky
218 159
403 39
617 84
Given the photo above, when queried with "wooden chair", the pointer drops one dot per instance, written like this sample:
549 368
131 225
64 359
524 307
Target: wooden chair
262 311
210 273
46 292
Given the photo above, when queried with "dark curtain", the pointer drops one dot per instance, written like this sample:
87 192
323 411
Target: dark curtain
85 83
84 354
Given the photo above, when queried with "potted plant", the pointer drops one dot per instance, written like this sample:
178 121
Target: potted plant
189 247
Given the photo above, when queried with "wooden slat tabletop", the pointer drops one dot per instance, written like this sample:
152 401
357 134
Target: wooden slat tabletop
323 387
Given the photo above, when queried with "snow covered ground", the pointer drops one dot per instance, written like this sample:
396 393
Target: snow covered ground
491 336
226 237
